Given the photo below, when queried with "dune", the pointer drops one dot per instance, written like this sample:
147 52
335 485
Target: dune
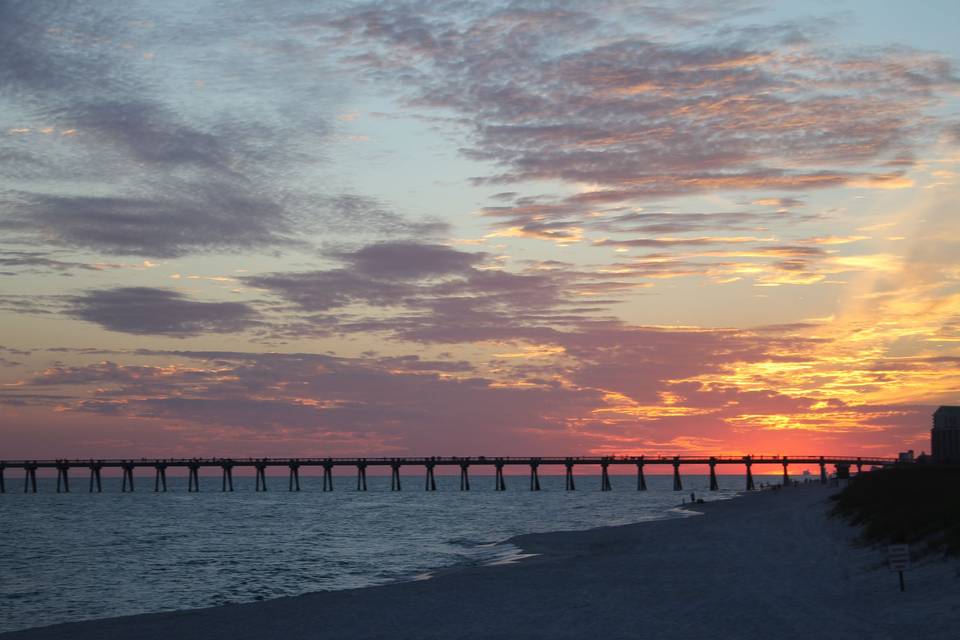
767 564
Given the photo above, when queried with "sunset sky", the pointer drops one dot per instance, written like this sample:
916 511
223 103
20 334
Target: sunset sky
297 228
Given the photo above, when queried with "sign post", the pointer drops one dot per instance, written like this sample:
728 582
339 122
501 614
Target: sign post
898 557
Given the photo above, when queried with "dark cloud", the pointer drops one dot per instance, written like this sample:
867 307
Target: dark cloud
149 311
325 290
415 363
35 57
8 363
40 262
191 217
410 260
152 133
15 351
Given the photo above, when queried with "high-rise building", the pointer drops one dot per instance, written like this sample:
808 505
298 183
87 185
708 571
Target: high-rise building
945 435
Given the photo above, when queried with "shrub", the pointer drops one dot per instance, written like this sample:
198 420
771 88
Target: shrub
916 504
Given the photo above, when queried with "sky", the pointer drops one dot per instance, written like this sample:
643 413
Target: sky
532 227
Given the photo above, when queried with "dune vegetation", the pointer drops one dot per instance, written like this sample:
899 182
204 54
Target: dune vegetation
915 504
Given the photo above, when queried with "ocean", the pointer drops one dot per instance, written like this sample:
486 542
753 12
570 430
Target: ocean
79 556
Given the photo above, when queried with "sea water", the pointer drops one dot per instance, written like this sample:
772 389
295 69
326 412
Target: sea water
77 556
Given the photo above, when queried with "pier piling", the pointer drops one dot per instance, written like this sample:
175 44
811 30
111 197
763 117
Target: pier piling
748 461
30 477
63 473
159 477
395 476
464 476
294 476
641 480
534 476
95 476
328 476
193 480
127 477
261 468
3 485
605 477
786 473
677 481
362 476
823 471
714 485
500 484
571 486
226 479
430 481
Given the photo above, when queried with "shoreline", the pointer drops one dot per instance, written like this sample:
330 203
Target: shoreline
762 559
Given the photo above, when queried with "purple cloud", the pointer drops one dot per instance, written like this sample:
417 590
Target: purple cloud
410 260
150 311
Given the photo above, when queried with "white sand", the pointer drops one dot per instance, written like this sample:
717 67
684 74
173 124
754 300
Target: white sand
768 565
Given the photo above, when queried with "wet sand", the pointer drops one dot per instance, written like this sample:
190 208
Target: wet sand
768 564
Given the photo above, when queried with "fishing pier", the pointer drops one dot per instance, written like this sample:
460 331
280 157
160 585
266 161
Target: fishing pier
226 466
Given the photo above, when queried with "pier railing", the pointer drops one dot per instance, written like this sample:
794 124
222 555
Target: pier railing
429 463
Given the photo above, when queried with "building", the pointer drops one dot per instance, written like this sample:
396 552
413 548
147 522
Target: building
945 435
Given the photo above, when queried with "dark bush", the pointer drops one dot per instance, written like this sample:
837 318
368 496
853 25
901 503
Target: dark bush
915 504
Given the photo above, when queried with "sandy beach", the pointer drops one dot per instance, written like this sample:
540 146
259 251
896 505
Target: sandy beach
766 564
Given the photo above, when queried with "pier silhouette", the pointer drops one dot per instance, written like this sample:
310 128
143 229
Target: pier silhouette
842 464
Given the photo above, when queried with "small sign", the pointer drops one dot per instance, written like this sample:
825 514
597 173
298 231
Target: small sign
898 557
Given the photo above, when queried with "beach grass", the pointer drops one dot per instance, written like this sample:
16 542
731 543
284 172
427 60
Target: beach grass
914 504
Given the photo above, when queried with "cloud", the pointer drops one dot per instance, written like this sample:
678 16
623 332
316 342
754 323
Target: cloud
32 58
426 292
150 311
410 260
41 262
689 13
661 222
779 203
567 384
404 400
599 387
187 219
676 241
589 103
175 172
357 214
